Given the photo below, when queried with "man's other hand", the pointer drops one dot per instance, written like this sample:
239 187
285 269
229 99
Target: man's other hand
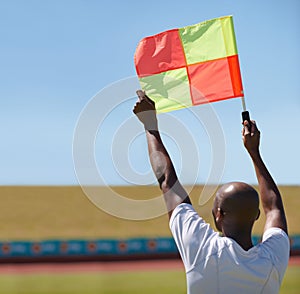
251 137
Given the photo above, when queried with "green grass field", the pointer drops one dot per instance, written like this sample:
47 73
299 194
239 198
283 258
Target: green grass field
163 282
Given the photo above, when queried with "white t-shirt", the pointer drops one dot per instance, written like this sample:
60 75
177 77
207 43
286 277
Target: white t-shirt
216 264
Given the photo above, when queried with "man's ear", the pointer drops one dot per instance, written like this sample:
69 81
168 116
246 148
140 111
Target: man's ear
218 217
258 214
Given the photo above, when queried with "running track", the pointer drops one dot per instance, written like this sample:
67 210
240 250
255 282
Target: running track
115 266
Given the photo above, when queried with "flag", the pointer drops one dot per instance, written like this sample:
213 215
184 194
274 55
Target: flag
190 66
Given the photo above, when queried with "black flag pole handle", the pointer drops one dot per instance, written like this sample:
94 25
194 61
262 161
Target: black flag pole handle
245 113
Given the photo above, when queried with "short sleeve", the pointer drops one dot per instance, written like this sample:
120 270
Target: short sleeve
190 232
276 242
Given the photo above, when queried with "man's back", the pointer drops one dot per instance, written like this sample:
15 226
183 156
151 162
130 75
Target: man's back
217 264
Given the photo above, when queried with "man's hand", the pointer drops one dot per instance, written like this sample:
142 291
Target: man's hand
144 109
251 137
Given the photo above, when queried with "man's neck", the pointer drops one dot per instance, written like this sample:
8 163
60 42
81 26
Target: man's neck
243 238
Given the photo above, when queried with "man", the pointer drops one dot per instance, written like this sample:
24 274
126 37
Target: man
227 263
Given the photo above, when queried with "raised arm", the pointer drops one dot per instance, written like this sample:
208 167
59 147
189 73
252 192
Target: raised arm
161 163
269 193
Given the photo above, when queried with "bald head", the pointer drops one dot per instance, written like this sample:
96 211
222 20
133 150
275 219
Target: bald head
237 203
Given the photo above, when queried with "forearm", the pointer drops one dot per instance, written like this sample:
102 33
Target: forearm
268 190
164 171
159 157
160 161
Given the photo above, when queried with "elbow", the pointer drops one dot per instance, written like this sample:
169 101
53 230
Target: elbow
163 170
160 167
159 171
167 181
161 176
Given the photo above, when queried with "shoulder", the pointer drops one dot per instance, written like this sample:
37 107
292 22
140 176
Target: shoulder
183 210
276 235
189 228
276 245
185 214
276 239
195 238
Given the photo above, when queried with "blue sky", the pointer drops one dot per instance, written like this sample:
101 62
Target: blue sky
56 55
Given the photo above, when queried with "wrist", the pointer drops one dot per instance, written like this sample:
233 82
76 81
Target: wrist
151 125
254 154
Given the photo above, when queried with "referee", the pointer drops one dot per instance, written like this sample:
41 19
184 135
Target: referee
225 262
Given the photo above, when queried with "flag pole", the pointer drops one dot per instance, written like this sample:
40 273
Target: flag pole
245 113
244 104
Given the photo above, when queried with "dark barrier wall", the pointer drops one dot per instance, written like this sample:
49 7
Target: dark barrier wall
64 250
87 249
